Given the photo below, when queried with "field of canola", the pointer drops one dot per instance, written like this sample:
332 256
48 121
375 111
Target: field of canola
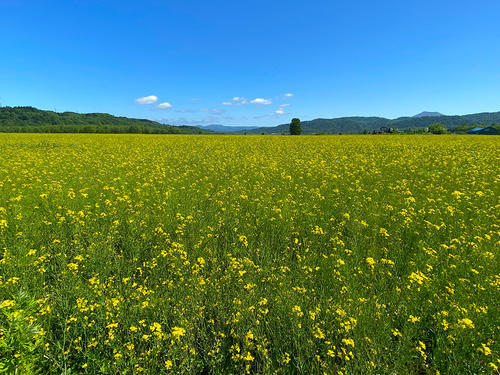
124 254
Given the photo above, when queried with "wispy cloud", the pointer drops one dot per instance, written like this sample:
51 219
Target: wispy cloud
208 120
236 100
188 121
164 105
280 111
288 95
214 111
147 100
262 101
186 111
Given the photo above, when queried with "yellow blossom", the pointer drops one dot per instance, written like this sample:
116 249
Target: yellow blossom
178 332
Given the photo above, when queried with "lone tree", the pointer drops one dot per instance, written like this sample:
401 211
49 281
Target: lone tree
437 128
295 127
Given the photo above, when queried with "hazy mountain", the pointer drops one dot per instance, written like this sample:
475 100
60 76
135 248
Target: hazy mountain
429 114
359 124
226 129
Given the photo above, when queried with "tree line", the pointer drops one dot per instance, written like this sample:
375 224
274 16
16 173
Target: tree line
103 129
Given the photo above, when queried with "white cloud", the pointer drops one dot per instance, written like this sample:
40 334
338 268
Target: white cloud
281 109
262 101
165 105
147 100
288 95
236 100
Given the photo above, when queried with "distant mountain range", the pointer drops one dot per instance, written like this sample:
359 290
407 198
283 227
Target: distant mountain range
227 129
360 124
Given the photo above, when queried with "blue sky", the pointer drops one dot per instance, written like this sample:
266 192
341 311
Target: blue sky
233 62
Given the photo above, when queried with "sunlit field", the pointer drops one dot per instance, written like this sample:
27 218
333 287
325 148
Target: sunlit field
123 254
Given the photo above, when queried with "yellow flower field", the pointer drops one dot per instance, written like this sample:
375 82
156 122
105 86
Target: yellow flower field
249 254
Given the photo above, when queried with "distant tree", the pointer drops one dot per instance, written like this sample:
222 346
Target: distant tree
437 128
295 127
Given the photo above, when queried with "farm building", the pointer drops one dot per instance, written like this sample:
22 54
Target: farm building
490 130
474 130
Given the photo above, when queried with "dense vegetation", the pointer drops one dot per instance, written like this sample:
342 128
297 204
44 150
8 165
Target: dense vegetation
361 124
33 120
437 128
295 127
122 254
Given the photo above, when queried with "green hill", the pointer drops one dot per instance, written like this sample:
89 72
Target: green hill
360 124
29 119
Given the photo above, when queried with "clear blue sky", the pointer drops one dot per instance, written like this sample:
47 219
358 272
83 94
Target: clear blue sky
337 58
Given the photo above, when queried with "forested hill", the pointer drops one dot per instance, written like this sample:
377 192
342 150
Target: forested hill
30 119
360 124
